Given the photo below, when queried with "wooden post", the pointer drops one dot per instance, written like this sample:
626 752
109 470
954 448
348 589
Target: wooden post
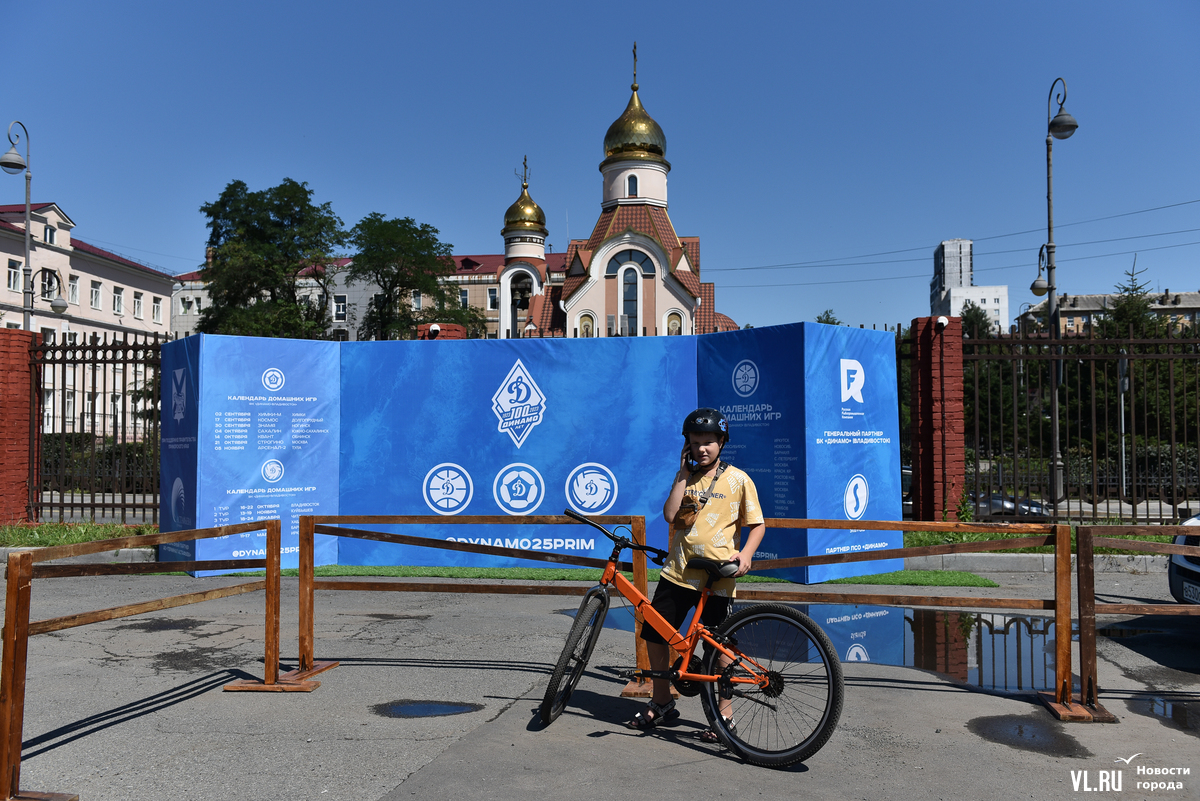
1089 688
16 635
300 677
1059 701
640 581
307 557
271 635
272 681
639 688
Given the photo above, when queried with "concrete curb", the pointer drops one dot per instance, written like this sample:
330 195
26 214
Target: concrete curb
122 555
1033 563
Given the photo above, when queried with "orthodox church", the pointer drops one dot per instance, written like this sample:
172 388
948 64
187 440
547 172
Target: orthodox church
634 276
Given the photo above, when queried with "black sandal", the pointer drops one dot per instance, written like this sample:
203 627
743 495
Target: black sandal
710 736
654 715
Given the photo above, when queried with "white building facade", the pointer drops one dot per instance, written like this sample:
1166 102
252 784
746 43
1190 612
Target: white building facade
953 285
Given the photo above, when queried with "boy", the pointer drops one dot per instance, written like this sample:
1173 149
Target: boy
709 503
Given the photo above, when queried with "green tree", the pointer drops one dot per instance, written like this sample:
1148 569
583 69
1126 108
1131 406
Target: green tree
1130 308
975 321
828 318
268 275
401 258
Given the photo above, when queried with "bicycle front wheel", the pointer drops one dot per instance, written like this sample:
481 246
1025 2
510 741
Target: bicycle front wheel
589 621
794 714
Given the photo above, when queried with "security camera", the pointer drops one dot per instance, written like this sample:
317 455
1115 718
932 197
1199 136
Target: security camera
941 323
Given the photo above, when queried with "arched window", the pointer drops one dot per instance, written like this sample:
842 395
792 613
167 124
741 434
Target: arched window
629 302
632 186
674 324
587 326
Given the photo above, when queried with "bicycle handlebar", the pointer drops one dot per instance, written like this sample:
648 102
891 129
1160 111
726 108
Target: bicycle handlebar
657 556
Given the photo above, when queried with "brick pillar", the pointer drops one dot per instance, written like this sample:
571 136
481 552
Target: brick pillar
938 426
16 406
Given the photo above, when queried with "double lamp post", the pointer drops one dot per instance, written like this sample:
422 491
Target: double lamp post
12 163
1060 126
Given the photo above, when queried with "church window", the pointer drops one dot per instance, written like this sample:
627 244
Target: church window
586 326
632 186
629 302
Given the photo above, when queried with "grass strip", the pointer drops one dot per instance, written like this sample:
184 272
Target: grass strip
42 535
916 539
921 578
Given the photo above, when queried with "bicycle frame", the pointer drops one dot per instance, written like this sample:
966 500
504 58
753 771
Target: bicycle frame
683 644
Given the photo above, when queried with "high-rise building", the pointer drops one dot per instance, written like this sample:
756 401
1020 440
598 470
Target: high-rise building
953 285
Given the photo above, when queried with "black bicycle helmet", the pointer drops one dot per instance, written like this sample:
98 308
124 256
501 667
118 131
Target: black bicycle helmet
706 421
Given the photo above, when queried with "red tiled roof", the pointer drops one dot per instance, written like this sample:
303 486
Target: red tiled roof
573 282
691 244
20 207
690 282
545 313
706 315
600 232
726 323
79 244
478 265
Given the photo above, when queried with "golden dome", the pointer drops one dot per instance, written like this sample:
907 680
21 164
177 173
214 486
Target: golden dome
525 215
634 134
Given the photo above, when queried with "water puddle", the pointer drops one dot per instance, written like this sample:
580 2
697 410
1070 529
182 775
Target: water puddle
1181 715
1037 733
422 709
991 651
1119 632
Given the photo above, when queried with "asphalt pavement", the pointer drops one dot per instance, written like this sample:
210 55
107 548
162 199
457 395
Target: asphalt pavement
133 709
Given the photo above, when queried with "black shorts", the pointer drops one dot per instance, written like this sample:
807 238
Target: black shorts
674 601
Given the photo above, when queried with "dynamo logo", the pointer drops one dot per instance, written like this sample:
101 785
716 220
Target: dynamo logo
178 503
519 404
855 498
273 379
853 378
591 489
179 394
518 489
272 470
745 378
448 489
857 653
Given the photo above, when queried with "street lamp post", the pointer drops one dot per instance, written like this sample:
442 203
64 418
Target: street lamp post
12 163
1060 126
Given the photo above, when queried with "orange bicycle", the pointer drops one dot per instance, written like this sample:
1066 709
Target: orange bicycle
768 664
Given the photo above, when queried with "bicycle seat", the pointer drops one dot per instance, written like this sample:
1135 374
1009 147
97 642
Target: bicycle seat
714 568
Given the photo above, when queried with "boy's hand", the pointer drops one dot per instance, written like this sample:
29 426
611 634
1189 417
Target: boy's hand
685 459
743 564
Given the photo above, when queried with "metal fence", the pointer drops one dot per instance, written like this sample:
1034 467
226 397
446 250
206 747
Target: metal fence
96 430
1129 427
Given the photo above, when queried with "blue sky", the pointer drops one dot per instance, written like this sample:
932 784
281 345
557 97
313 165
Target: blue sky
816 135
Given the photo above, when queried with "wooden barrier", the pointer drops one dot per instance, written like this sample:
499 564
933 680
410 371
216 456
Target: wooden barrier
17 628
1059 701
1085 544
311 525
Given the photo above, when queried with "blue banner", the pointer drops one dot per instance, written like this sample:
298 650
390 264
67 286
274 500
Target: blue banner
260 428
786 391
266 423
511 427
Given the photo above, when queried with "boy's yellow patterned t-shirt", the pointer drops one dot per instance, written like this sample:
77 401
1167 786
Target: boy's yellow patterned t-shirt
716 533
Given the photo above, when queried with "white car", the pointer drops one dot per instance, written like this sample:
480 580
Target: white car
1183 572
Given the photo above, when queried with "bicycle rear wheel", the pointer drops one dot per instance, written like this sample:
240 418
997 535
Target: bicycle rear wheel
589 621
791 718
